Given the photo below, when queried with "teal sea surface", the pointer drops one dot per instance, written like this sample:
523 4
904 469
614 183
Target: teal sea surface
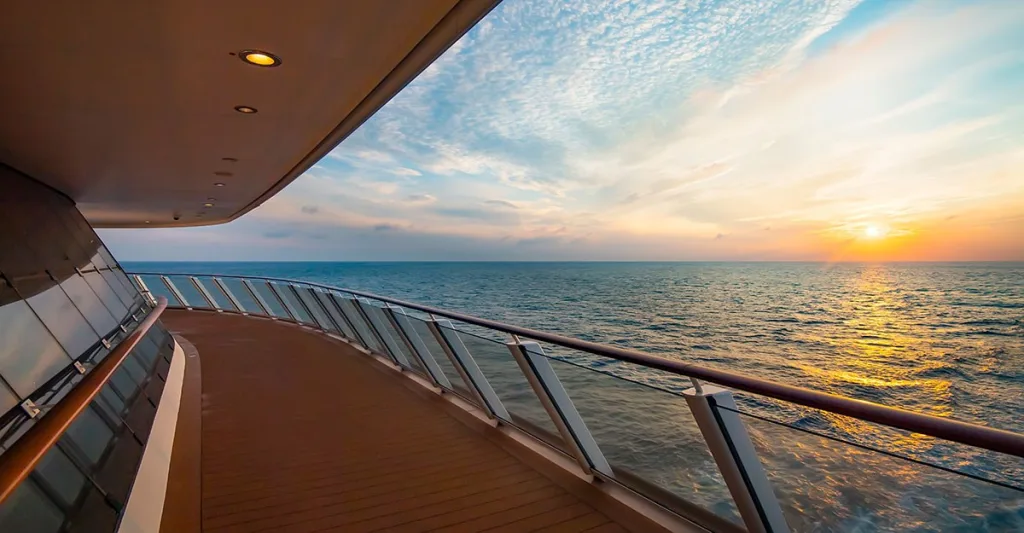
945 339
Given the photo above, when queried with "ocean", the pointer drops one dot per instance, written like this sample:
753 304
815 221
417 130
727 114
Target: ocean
940 338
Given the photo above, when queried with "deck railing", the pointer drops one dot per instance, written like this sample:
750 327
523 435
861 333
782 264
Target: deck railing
772 457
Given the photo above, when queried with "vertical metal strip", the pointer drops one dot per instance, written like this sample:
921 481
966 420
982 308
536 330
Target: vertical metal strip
467 368
737 460
284 304
551 393
146 293
331 310
174 292
417 348
259 299
204 293
219 283
309 312
336 300
382 335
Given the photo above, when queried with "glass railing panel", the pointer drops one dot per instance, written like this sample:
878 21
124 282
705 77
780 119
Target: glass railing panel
313 305
189 292
399 344
332 310
245 299
423 330
351 310
854 475
648 435
157 288
274 305
293 303
503 373
219 298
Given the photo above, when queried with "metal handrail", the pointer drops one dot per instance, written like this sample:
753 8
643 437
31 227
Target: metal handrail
23 456
984 437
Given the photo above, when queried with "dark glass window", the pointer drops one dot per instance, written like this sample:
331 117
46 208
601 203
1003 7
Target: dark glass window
63 319
61 475
32 356
110 402
127 298
7 399
90 434
28 509
123 381
107 295
89 304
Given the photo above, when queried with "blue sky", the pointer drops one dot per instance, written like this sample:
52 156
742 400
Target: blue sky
665 130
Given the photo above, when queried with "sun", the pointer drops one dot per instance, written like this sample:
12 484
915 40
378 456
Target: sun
873 231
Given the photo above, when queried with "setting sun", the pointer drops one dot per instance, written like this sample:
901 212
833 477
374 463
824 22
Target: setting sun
874 232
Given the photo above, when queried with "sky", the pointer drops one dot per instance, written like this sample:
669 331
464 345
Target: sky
824 130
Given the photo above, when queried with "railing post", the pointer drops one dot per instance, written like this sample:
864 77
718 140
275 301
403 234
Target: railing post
309 312
144 289
548 388
467 368
259 299
175 292
230 295
715 412
416 347
284 304
204 293
373 321
320 298
337 301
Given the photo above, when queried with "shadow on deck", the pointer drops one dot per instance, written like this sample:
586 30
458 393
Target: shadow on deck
301 432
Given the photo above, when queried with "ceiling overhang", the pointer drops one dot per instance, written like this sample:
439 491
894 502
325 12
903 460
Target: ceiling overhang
129 107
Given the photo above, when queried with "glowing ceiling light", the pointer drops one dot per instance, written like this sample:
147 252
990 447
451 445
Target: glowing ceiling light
259 58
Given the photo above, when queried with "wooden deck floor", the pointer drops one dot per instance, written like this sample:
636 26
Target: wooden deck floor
302 433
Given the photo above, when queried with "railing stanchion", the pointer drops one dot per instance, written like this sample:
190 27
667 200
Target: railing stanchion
416 347
325 304
204 293
736 458
144 289
258 299
467 368
298 298
284 304
230 295
549 390
175 292
371 324
387 340
337 301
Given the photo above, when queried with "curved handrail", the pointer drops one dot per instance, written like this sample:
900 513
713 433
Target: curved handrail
19 461
944 428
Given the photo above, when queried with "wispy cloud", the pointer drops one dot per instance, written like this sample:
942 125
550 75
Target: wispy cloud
671 130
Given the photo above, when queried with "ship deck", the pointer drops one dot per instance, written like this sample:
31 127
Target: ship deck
298 431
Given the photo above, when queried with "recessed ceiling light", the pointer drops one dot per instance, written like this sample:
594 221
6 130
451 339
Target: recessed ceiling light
218 184
147 222
207 204
259 58
246 110
223 173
